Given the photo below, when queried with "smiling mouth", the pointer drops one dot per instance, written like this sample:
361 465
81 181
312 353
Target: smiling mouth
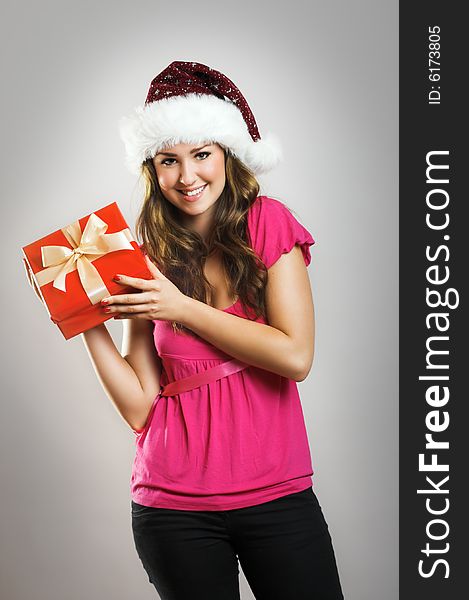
194 193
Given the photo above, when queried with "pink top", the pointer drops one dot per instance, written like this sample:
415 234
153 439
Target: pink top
241 440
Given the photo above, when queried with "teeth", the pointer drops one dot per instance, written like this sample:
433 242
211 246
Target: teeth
194 192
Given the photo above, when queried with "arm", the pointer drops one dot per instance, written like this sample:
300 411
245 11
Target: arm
286 345
131 379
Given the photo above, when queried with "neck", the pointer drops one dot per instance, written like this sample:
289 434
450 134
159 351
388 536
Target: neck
202 224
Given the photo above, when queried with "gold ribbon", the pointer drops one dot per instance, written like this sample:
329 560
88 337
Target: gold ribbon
86 248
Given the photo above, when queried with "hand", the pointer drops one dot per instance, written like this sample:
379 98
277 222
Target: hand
159 299
32 282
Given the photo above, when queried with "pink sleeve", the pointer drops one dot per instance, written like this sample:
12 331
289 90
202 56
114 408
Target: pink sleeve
274 231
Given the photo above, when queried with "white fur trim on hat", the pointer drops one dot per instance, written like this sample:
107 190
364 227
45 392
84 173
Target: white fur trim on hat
194 119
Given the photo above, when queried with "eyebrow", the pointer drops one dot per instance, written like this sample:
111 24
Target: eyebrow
192 151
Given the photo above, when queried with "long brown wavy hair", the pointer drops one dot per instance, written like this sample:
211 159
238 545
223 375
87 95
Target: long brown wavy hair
180 253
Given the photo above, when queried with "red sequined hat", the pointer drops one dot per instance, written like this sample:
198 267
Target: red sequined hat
191 103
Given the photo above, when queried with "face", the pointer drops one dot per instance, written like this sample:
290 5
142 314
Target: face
183 168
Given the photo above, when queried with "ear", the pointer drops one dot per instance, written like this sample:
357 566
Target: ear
157 274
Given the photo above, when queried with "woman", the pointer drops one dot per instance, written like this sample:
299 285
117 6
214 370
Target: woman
222 470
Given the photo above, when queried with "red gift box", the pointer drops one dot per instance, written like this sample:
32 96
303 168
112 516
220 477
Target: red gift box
73 268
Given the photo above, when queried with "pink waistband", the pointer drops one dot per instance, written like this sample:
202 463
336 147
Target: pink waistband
208 376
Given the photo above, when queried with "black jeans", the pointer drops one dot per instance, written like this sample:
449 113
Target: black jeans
283 546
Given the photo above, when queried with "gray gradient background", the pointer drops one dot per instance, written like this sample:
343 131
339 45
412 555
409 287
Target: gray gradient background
323 76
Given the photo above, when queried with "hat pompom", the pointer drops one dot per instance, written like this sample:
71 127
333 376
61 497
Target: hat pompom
265 154
135 144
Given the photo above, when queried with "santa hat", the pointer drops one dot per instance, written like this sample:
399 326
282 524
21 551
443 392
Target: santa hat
191 103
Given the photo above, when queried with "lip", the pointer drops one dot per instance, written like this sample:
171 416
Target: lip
193 198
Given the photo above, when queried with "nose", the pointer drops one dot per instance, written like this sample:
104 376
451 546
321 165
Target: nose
187 175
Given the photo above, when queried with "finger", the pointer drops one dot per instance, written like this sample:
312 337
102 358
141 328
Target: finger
157 274
136 282
128 309
127 299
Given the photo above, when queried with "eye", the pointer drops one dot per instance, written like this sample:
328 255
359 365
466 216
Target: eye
207 153
200 156
165 161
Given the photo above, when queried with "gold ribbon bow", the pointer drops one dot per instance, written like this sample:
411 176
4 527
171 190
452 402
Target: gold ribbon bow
86 247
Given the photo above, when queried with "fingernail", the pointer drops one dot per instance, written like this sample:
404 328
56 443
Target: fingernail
107 309
104 301
117 277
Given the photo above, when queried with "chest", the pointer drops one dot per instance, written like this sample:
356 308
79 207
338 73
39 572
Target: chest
216 276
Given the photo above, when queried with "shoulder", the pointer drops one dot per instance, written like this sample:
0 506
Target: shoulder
266 207
274 230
